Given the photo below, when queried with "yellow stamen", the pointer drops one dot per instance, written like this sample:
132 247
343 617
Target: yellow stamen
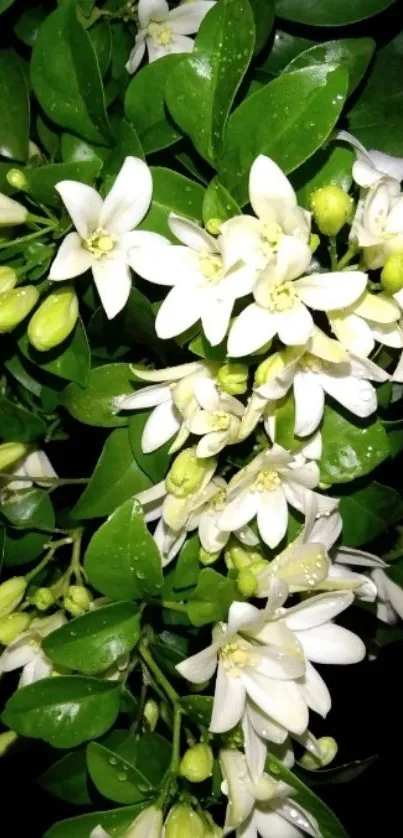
267 481
211 267
100 243
160 33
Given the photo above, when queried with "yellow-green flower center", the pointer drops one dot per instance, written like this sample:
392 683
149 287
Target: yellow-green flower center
267 481
277 298
235 655
100 243
310 363
220 420
271 235
160 33
211 267
218 501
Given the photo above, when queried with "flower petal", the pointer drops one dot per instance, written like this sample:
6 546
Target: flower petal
238 512
215 318
200 667
357 395
83 204
186 18
264 726
251 330
269 188
332 644
272 517
309 403
281 700
325 292
315 691
271 825
255 747
71 260
229 702
146 397
186 231
156 10
179 311
377 307
129 199
113 280
295 325
240 794
137 54
314 612
353 332
161 425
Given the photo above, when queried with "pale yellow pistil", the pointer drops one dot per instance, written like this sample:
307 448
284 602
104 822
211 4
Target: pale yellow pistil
270 237
220 420
235 655
310 363
100 243
218 501
211 267
267 481
160 33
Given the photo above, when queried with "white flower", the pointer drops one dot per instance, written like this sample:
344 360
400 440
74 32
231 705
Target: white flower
206 517
217 419
35 465
390 598
103 236
282 300
205 281
387 593
378 223
279 218
323 367
372 165
172 397
260 805
11 212
148 824
373 317
25 652
164 31
264 488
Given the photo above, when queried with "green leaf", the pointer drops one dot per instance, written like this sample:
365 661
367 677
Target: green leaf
330 12
172 193
288 120
66 77
93 642
187 569
203 349
5 4
156 464
352 53
70 360
199 708
284 48
122 560
145 107
28 510
96 403
134 324
101 39
377 116
210 601
201 89
43 179
127 144
28 25
64 711
18 424
329 826
333 164
67 779
14 97
75 150
263 15
115 777
367 513
350 450
116 478
218 203
116 822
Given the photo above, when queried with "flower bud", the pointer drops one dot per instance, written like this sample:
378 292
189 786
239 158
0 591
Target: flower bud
77 600
12 626
7 739
10 453
151 714
148 824
15 305
328 750
392 273
54 319
11 212
238 557
11 594
211 829
213 225
270 367
332 207
197 763
8 278
207 558
17 179
183 822
233 378
314 242
246 583
187 473
42 599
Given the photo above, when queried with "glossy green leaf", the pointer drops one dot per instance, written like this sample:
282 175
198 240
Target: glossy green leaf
284 48
377 116
122 560
14 97
201 89
263 15
328 825
64 711
96 403
92 643
218 203
43 179
101 39
5 4
115 777
29 511
333 164
172 193
367 513
145 107
68 779
352 53
330 12
116 478
116 822
70 360
66 77
350 449
156 464
75 150
288 120
28 25
18 424
135 324
211 599
127 144
187 569
199 708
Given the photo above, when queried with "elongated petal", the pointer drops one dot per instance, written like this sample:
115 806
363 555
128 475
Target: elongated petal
271 825
306 474
156 264
113 280
242 615
391 334
241 240
186 231
272 517
364 368
269 188
186 18
295 326
353 332
314 612
357 395
309 403
251 330
348 555
146 397
325 292
265 727
179 311
281 700
229 702
238 512
137 54
315 691
212 444
297 818
72 259
212 538
156 10
129 199
293 258
377 307
200 667
255 747
332 644
240 795
215 319
17 655
160 427
83 204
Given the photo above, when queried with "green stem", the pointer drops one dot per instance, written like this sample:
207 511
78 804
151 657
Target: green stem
348 256
176 740
333 253
175 606
75 566
51 481
48 557
158 674
27 238
39 219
